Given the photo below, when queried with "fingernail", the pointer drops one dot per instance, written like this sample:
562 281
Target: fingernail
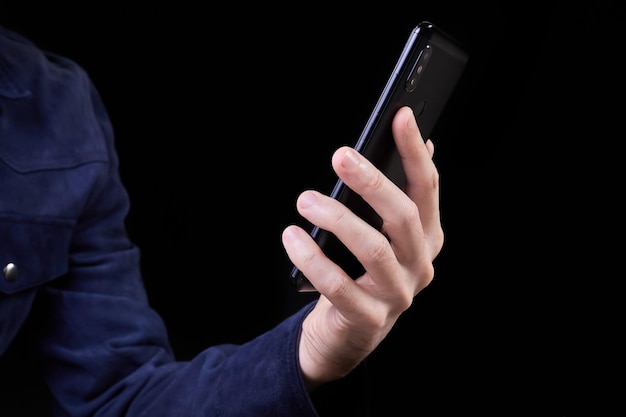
351 160
307 199
290 235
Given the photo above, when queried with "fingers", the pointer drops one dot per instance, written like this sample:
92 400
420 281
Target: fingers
371 247
326 276
401 261
422 184
329 214
405 214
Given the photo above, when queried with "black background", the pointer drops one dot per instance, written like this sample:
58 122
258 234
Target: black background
224 114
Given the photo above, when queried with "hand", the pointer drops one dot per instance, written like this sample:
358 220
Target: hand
352 317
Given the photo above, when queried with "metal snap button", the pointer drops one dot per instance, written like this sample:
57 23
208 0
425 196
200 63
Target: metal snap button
10 272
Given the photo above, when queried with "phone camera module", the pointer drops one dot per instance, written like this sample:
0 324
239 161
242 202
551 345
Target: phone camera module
418 69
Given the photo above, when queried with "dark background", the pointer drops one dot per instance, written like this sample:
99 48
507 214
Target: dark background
224 114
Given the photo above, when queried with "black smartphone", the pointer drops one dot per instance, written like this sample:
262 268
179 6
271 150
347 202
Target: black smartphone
424 77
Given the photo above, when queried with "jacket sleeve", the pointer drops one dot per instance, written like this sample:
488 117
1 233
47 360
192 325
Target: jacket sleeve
107 350
104 350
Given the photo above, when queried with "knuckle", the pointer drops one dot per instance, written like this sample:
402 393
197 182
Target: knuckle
338 217
373 182
405 302
379 249
434 181
308 261
425 273
335 285
439 239
429 184
376 181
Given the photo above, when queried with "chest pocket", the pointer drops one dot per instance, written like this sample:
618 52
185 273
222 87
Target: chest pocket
32 251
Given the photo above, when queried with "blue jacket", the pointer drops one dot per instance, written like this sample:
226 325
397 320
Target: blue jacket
64 251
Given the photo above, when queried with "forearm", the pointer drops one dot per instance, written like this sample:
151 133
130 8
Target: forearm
98 374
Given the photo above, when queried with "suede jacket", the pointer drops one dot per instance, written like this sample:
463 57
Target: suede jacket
65 253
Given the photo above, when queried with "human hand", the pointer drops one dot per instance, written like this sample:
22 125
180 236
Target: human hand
352 317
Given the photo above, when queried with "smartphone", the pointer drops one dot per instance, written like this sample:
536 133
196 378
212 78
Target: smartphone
424 77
